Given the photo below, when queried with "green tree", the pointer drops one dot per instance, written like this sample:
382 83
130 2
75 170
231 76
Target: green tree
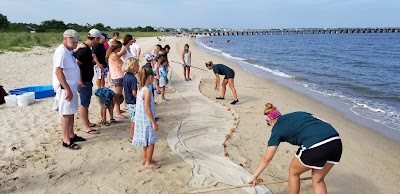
52 26
77 27
99 26
149 29
18 27
4 23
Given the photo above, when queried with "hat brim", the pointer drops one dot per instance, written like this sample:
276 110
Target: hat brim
74 39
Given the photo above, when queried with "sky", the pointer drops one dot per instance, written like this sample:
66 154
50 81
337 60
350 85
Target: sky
236 14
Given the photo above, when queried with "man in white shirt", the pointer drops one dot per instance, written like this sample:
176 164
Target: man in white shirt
66 76
135 48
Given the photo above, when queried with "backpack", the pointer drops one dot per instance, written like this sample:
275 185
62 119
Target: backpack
2 94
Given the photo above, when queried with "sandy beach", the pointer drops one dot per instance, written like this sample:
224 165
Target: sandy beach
32 159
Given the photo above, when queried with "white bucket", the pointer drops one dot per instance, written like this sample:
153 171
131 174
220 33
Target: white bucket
31 97
11 100
23 100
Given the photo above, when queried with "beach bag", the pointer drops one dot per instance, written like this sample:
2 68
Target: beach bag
2 94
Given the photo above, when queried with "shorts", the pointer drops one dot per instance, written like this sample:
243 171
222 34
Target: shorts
132 110
230 75
118 82
85 93
162 82
100 73
327 151
63 106
110 106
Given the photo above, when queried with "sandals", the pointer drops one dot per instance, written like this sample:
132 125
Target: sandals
235 101
93 132
112 121
77 138
220 98
94 125
105 123
71 146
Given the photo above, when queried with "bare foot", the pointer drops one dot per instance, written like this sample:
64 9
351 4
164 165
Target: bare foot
152 166
121 116
144 161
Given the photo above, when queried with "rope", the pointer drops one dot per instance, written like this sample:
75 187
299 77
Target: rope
190 66
240 186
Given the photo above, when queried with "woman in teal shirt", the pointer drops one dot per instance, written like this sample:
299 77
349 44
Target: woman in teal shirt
220 69
320 146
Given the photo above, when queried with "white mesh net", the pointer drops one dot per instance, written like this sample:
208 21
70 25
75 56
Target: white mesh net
199 141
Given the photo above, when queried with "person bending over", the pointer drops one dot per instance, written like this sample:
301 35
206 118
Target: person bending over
320 146
107 100
220 69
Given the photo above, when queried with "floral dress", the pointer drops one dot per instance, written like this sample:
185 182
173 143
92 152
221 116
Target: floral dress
144 132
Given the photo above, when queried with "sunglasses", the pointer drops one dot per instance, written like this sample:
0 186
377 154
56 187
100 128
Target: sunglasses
267 119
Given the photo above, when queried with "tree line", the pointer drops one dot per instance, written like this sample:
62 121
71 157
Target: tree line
59 26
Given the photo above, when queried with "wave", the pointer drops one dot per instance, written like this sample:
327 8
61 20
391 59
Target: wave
273 71
209 48
377 112
388 118
232 57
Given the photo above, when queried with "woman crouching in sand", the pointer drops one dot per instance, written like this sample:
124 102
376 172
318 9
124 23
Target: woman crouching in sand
220 69
320 146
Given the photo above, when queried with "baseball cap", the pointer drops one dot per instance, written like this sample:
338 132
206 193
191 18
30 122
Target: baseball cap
105 35
72 34
149 56
95 33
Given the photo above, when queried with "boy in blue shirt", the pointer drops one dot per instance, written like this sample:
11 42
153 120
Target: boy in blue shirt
108 99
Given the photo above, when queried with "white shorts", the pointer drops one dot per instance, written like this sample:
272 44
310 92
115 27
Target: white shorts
63 106
162 82
100 73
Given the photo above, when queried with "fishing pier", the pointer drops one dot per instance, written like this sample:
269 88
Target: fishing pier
241 32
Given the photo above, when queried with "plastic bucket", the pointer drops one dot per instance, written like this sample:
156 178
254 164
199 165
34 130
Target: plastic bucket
31 96
11 101
23 100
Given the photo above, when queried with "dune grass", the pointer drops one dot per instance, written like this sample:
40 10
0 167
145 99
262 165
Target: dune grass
23 41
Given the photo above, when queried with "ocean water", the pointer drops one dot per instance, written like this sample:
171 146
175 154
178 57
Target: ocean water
361 72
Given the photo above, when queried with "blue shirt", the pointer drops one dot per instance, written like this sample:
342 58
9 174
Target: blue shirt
105 94
300 128
163 72
130 84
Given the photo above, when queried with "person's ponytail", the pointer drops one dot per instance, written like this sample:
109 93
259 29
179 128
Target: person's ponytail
268 108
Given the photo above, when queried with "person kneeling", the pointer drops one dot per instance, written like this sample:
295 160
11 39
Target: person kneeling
108 99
